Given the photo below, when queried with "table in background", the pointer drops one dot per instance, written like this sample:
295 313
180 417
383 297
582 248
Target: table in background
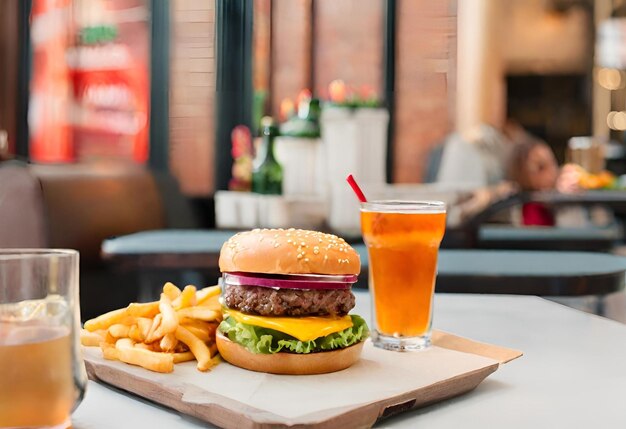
520 272
572 373
587 237
460 271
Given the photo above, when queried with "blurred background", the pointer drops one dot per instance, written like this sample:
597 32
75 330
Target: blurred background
98 78
122 116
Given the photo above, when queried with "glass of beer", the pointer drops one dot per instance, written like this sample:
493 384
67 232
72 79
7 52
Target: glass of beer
402 239
42 374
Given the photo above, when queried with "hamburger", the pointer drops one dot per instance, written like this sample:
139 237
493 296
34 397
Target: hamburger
286 297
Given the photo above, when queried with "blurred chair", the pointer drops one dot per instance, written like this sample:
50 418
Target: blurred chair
85 205
22 222
478 158
78 206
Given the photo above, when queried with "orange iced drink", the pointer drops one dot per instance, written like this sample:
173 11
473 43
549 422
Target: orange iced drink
403 240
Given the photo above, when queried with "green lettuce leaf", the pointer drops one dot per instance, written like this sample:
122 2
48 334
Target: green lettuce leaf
268 341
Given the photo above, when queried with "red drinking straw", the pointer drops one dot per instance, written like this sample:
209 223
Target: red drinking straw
356 189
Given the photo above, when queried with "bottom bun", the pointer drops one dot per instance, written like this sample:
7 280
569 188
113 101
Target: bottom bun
288 363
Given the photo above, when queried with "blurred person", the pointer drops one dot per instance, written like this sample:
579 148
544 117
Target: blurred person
533 167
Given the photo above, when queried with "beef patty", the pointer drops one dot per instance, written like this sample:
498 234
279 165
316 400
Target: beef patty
265 301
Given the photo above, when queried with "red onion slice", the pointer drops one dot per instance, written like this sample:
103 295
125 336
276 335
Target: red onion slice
301 281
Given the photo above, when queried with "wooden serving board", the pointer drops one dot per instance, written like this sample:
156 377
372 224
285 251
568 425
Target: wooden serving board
381 384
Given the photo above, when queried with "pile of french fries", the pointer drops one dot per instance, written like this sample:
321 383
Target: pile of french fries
155 335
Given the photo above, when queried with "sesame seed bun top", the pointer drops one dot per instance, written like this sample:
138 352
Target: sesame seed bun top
288 251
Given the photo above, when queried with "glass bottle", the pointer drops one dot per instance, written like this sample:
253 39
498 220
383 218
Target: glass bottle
267 176
306 123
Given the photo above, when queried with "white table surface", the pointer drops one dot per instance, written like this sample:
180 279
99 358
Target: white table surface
572 374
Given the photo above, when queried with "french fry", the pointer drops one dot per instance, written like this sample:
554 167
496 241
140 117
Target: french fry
91 339
213 303
202 334
171 291
109 351
181 348
205 326
106 320
169 319
154 335
144 324
108 338
197 347
205 293
118 330
215 360
183 357
151 335
168 343
153 347
124 343
200 313
186 299
135 334
146 309
143 346
154 361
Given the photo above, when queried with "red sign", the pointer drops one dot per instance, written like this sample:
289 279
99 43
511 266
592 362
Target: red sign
90 84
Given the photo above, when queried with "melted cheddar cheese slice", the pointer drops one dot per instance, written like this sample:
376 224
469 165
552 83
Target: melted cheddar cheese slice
302 328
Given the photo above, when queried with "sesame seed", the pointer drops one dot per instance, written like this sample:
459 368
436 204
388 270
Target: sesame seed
276 244
299 256
306 259
302 243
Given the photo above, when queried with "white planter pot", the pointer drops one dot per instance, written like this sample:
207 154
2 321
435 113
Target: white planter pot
344 217
303 165
355 142
236 210
245 210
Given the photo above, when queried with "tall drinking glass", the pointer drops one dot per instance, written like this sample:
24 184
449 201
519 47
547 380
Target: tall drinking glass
402 239
42 374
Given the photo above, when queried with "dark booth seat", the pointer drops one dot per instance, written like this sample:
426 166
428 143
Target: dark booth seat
77 207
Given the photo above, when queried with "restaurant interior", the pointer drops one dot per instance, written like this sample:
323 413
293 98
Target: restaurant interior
145 133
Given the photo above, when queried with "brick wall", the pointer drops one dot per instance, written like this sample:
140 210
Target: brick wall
348 43
425 83
192 94
291 49
348 38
